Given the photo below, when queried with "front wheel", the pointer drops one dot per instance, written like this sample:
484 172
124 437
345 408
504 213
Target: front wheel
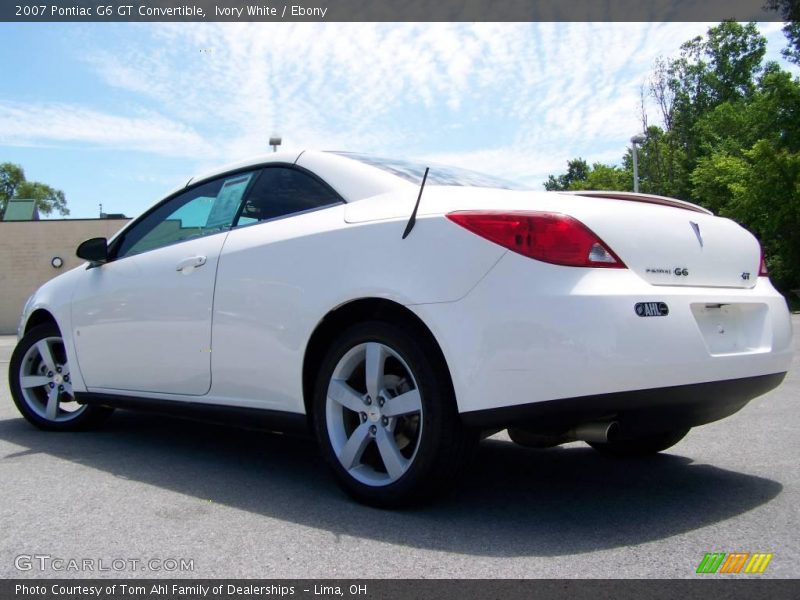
386 419
640 446
41 385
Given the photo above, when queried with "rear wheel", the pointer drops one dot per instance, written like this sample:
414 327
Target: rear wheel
640 446
386 419
41 384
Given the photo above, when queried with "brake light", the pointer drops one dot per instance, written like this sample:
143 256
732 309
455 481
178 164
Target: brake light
549 237
762 267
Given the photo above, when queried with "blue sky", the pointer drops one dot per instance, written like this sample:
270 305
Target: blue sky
120 114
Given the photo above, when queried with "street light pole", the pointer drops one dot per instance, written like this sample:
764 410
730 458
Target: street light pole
275 141
639 138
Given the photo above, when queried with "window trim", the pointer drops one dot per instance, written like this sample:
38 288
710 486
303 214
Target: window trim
118 241
288 216
257 169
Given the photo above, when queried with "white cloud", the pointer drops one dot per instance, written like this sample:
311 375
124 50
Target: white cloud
518 99
30 124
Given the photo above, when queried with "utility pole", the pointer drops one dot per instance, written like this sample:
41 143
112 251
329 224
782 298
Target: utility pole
639 138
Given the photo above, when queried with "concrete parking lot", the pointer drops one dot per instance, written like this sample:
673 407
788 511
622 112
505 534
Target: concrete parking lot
249 504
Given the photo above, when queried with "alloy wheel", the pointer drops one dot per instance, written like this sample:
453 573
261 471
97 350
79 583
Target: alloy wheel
45 382
374 414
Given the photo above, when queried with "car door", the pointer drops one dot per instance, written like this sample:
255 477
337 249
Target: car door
142 321
259 311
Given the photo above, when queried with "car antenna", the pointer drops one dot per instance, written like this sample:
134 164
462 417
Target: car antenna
413 218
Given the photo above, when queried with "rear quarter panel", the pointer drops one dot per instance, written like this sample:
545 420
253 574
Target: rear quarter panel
277 280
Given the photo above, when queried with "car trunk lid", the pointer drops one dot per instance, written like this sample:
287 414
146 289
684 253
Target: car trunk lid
674 243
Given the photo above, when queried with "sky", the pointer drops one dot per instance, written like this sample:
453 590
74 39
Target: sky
122 113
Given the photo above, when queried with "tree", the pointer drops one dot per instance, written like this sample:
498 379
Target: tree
605 177
577 170
790 11
14 185
729 140
718 179
580 176
767 200
710 71
662 164
663 91
11 176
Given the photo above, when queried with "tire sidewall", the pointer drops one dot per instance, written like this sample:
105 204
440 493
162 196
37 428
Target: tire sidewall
88 417
437 402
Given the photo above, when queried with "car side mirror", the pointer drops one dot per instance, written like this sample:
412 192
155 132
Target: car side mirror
94 250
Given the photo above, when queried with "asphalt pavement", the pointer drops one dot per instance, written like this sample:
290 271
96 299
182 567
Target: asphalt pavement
150 496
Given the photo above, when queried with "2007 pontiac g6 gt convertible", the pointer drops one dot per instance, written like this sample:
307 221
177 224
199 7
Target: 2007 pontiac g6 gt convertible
401 313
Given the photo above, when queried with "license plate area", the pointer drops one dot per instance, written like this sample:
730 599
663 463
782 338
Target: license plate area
738 328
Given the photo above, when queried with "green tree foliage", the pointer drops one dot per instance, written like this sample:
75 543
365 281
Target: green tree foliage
729 139
577 170
790 11
581 176
11 176
767 199
662 165
14 185
604 177
711 71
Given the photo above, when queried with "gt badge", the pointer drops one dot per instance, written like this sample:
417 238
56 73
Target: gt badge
652 309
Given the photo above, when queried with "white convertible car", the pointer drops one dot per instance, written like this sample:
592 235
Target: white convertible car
400 320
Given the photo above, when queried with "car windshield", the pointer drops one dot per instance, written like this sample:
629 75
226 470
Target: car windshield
438 174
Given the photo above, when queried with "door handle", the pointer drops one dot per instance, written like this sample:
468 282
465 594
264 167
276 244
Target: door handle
187 265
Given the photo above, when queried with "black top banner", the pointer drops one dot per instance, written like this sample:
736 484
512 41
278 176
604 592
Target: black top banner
385 10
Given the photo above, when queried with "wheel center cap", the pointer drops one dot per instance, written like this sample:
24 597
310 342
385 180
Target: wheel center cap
374 414
58 378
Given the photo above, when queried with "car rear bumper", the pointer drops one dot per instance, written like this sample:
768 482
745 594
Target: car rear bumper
639 411
533 333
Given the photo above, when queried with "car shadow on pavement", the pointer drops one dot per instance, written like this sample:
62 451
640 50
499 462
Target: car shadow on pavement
515 502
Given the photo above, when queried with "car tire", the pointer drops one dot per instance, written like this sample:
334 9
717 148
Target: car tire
41 387
407 445
640 446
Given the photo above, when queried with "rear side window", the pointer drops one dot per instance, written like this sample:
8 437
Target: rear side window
281 191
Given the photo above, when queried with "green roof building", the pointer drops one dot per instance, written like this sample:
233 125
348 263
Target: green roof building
18 209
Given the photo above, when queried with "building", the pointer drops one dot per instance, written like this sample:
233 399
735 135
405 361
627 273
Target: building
18 209
34 251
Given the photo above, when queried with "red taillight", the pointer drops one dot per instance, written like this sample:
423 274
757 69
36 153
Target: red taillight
549 237
762 267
